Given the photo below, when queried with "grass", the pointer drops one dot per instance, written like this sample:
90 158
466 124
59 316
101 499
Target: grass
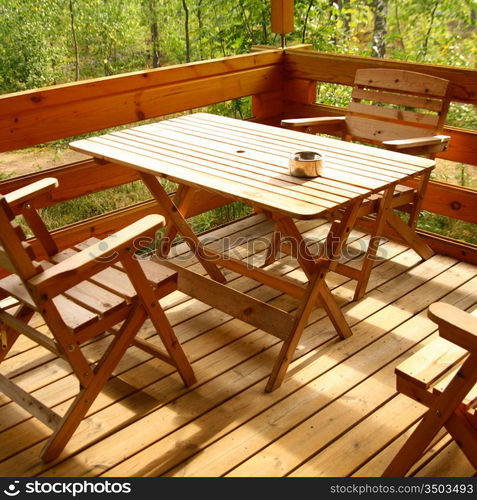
94 204
448 226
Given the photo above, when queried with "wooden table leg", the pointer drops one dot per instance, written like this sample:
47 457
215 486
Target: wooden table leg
420 192
383 212
316 291
340 231
176 219
182 200
273 249
289 345
408 231
291 235
409 235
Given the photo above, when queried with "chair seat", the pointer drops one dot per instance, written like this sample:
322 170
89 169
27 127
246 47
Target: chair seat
431 369
106 293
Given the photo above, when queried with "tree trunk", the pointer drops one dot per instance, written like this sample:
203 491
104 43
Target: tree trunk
245 20
154 29
265 21
156 62
346 16
186 25
75 41
425 43
341 5
399 39
380 28
200 25
305 22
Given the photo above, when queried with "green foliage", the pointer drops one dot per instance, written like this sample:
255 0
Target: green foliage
447 226
122 196
30 55
42 42
94 204
110 36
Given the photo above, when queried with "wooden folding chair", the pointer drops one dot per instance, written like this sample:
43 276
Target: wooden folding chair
399 110
80 293
443 377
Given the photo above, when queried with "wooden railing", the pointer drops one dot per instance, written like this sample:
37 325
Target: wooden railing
282 83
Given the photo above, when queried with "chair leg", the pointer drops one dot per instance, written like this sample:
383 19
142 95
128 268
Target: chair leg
365 272
416 206
9 335
86 396
434 419
182 201
465 434
172 345
158 318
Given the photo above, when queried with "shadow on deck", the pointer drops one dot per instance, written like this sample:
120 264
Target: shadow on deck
318 423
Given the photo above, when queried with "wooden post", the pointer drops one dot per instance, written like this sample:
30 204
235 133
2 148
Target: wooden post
283 18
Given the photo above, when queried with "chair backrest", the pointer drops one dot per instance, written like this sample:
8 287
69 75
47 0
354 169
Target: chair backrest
389 104
16 255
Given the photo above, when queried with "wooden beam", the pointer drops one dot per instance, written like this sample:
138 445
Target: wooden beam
462 251
267 104
449 200
338 68
283 13
30 332
68 93
72 109
462 146
103 225
237 304
93 177
31 404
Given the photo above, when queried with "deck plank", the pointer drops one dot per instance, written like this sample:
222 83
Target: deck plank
146 423
313 399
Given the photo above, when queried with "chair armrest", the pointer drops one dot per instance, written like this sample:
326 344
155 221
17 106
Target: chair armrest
417 142
31 192
313 122
93 259
455 325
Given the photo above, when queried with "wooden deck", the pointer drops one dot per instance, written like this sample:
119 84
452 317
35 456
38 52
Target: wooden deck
336 414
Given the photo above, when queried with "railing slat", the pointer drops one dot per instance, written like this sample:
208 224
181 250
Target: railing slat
341 69
49 122
75 179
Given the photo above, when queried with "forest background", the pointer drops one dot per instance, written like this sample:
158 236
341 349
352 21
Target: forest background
46 42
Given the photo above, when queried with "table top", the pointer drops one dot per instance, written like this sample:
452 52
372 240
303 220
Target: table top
248 161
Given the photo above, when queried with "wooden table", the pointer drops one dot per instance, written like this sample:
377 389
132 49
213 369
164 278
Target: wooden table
248 162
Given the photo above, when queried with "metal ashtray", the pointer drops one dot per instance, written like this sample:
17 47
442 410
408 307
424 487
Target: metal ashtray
305 164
